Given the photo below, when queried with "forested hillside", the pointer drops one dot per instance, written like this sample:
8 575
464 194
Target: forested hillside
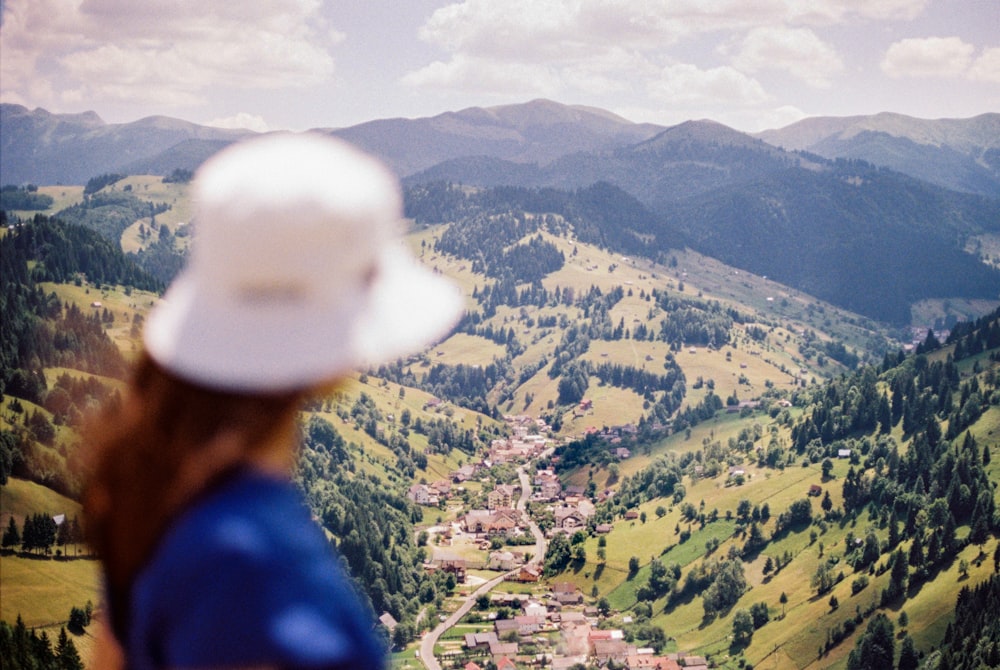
775 478
893 507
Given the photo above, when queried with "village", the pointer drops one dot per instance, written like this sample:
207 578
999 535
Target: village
523 622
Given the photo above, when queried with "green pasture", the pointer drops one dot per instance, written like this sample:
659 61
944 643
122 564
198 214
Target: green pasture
20 498
152 189
123 304
43 590
464 349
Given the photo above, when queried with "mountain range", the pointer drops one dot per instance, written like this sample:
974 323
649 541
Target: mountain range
871 213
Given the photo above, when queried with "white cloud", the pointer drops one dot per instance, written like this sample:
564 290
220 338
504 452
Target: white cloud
928 57
688 86
797 51
600 47
481 75
170 52
241 120
987 66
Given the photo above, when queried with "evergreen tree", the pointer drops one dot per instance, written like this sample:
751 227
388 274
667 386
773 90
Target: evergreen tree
67 656
909 659
876 647
11 536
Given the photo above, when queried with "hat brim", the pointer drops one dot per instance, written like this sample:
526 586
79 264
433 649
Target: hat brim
277 347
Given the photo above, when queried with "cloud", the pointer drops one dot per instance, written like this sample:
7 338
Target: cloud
688 86
928 57
797 51
481 75
600 47
987 66
242 120
167 52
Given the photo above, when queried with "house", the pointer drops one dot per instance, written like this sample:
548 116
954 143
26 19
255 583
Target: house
640 661
471 666
527 574
388 621
442 487
631 514
529 624
421 494
503 561
569 518
843 453
535 608
611 651
479 640
463 474
505 663
455 566
566 593
603 528
485 522
815 490
501 497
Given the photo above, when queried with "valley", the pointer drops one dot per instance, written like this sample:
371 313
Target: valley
727 470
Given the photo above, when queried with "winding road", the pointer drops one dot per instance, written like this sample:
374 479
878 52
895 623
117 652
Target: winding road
429 640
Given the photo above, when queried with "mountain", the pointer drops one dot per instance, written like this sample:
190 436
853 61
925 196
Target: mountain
960 154
39 147
854 234
44 148
684 160
539 131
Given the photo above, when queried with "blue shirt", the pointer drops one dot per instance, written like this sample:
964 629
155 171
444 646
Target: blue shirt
246 577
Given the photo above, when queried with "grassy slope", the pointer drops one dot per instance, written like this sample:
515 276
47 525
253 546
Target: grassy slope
786 315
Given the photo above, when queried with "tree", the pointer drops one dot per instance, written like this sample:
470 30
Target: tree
726 588
823 579
11 536
909 659
834 603
603 607
876 647
760 614
67 656
77 620
633 565
742 628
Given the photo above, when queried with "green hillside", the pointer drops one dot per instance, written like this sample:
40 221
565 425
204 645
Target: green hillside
734 394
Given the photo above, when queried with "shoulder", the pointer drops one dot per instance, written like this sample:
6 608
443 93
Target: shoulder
247 564
249 517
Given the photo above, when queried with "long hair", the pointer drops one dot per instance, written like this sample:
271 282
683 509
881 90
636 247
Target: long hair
167 442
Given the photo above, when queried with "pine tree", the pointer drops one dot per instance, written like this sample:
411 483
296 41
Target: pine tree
67 656
11 536
875 649
909 659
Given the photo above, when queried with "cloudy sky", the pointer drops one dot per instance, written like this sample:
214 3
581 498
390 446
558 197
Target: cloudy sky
299 64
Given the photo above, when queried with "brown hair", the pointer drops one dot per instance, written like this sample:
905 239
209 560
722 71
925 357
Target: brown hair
166 443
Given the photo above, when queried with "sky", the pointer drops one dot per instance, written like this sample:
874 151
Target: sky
301 64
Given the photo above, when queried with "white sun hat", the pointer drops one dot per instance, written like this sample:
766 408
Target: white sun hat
297 273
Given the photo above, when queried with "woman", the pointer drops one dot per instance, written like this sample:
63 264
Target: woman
296 276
